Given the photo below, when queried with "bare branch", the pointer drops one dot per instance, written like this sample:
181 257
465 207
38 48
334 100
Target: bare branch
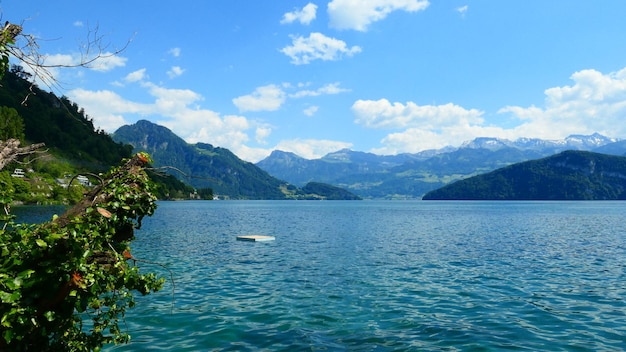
162 173
25 49
10 151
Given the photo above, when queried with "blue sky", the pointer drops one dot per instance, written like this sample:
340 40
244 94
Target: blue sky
313 77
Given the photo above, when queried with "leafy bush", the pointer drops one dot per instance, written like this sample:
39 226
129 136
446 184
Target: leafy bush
52 274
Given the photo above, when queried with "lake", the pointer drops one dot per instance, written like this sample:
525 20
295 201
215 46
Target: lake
383 276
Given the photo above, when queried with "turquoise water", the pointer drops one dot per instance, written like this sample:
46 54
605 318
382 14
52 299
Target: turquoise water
384 276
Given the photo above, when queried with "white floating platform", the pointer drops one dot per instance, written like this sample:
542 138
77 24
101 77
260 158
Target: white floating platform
255 238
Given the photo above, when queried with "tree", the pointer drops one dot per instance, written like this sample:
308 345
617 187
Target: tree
11 124
79 262
10 151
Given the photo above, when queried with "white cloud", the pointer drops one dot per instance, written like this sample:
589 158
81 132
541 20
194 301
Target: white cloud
420 126
170 102
176 109
317 47
413 140
359 14
462 10
328 89
107 108
136 76
261 133
311 110
175 52
382 114
596 102
304 16
311 148
78 23
108 62
266 98
175 71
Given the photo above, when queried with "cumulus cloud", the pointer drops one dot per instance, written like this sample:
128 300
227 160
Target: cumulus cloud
175 52
383 114
178 110
596 102
175 71
358 15
413 140
420 127
266 98
311 110
108 62
317 47
331 88
136 76
107 108
311 148
304 16
462 10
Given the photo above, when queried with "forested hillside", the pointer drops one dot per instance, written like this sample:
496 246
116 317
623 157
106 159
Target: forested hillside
201 165
570 175
72 144
412 175
62 125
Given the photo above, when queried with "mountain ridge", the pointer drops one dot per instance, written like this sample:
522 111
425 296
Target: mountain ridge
569 175
412 175
204 166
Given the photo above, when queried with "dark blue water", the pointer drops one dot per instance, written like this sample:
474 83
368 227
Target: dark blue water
384 276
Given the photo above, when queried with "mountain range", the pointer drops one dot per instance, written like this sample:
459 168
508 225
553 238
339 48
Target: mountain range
202 165
285 175
569 175
74 145
409 176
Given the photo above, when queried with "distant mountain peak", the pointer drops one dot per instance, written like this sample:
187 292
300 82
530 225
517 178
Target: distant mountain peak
575 141
589 141
490 143
279 153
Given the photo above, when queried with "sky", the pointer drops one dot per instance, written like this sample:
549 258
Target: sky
314 77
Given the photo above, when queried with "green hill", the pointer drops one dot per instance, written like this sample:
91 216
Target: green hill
201 165
570 175
61 124
205 166
73 145
328 192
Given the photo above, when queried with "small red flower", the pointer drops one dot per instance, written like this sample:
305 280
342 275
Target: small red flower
77 280
143 158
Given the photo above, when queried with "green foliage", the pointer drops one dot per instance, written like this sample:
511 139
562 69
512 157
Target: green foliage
202 165
7 39
570 175
65 285
169 187
61 124
318 190
205 193
11 124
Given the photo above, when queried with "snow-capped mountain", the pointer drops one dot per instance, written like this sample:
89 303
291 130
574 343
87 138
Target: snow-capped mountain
411 175
575 142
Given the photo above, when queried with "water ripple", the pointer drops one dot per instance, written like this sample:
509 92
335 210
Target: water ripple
385 276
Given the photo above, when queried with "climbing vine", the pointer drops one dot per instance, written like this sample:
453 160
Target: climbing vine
65 285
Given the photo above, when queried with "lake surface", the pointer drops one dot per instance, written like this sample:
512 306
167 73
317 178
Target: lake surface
384 276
